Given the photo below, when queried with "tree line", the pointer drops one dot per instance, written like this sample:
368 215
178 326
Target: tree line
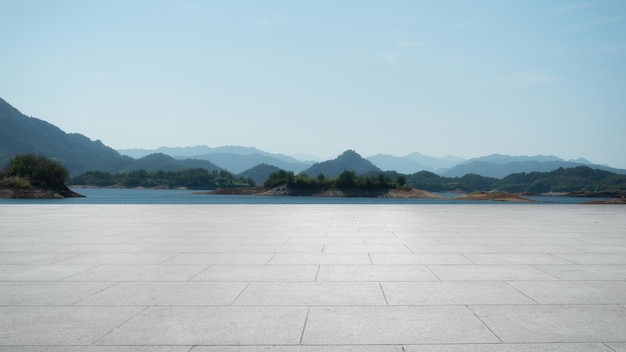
346 180
190 178
29 170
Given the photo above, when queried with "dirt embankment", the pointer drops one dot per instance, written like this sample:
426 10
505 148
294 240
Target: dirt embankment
493 196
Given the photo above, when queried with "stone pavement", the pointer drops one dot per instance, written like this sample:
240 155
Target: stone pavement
304 278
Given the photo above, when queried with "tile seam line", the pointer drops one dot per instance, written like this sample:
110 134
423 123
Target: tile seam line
508 283
96 293
120 325
485 324
240 293
306 319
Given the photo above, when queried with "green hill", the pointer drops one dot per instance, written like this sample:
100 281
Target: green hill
21 134
348 160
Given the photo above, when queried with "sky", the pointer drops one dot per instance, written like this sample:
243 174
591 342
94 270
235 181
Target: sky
462 78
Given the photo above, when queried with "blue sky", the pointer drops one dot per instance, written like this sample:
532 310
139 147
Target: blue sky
466 78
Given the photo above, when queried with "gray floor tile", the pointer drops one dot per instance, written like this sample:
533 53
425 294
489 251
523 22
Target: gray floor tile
47 293
95 348
554 323
399 325
258 273
372 248
515 258
40 272
311 293
220 258
183 264
375 273
191 248
211 326
33 258
531 347
117 258
585 272
139 273
488 272
281 248
336 348
103 248
452 293
419 259
537 248
574 292
317 259
594 258
443 248
617 347
60 325
167 293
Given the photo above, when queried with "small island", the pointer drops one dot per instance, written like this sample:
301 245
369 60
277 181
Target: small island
347 184
33 176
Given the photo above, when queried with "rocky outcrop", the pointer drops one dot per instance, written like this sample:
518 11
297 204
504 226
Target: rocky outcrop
37 193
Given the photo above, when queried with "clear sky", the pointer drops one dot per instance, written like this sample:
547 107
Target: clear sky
466 78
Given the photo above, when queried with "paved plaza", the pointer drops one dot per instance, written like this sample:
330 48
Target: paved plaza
304 278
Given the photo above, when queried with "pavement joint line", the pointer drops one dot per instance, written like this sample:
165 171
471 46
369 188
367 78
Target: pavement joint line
240 293
518 290
117 327
306 319
383 292
198 273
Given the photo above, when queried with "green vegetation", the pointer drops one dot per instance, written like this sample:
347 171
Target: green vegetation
29 170
577 179
581 178
190 178
345 180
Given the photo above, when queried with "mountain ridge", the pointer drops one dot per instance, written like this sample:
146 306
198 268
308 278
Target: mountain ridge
22 134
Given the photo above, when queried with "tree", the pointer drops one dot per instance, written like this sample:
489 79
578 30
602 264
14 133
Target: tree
38 170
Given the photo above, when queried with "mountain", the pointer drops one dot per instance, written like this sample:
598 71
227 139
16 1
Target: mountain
259 173
162 162
496 170
435 163
235 159
507 159
399 164
237 163
21 134
349 160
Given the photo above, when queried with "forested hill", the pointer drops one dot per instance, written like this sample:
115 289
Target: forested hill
581 178
348 160
21 134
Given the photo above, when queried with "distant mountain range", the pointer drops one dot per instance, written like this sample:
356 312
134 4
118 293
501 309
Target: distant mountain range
22 134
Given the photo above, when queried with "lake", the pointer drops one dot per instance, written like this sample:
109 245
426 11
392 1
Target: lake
150 196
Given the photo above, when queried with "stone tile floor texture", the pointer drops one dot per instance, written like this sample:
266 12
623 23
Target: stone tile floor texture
304 278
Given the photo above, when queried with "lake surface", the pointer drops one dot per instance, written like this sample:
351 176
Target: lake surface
149 196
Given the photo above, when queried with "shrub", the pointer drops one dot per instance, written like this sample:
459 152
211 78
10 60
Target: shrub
38 171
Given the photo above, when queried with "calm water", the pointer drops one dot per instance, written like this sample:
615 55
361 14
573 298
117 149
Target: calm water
145 196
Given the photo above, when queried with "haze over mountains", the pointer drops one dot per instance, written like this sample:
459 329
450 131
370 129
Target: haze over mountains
22 134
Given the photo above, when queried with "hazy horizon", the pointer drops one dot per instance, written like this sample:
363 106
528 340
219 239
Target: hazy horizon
459 78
